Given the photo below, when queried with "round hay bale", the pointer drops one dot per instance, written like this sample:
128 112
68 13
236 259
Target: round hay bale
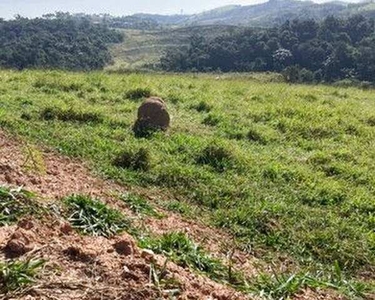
152 115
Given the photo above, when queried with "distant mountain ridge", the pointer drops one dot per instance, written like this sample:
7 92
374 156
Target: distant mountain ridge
270 13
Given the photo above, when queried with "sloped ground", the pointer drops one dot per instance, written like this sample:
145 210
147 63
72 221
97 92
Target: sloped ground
85 267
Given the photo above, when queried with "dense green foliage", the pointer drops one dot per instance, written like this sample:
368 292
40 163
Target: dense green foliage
287 170
58 41
305 50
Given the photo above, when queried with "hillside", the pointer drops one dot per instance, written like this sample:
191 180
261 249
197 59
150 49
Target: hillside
144 48
273 12
274 182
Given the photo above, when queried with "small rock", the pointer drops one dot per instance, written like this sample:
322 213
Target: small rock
148 255
124 247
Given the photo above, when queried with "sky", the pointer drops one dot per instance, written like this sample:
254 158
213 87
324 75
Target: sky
33 8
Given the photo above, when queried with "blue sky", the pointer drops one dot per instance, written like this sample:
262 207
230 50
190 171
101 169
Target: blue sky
32 8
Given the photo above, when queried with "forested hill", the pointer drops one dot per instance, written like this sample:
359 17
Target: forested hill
305 50
267 14
56 41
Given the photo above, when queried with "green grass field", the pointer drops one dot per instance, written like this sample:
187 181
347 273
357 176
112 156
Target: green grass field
289 170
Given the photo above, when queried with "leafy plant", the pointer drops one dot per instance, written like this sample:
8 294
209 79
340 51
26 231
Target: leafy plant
94 217
15 275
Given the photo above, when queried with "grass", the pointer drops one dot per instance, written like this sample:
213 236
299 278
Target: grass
136 161
93 217
15 275
16 203
288 170
184 252
140 205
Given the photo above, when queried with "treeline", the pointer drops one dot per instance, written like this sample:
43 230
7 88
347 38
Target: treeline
55 41
125 22
304 50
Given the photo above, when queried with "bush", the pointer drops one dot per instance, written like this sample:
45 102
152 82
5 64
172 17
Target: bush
138 93
306 76
138 161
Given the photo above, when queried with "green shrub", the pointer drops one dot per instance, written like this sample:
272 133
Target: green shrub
94 217
138 93
15 275
137 161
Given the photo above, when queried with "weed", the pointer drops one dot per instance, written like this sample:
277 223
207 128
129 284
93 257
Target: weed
15 275
14 204
185 253
93 217
139 205
137 161
34 160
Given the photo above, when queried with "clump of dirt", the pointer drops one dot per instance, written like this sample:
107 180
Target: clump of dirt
19 243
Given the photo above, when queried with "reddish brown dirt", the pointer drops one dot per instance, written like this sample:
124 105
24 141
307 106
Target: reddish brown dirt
82 267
